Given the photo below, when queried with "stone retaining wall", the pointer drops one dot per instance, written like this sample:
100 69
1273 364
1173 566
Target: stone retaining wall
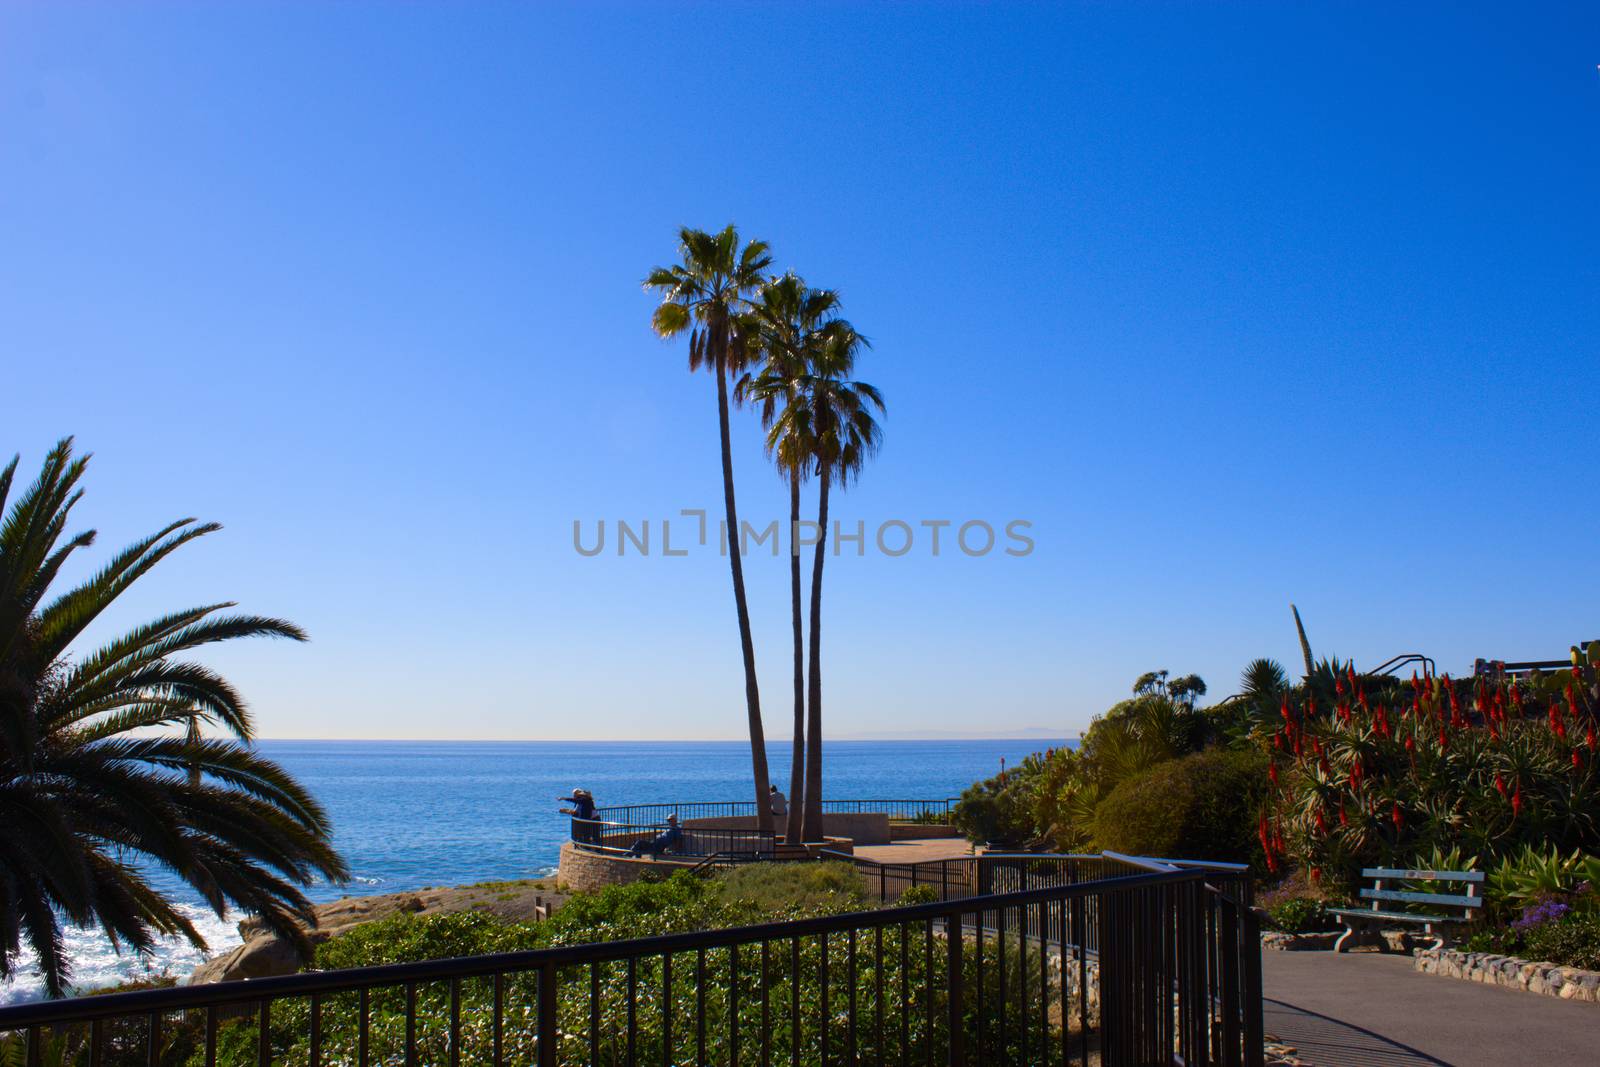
583 871
1568 983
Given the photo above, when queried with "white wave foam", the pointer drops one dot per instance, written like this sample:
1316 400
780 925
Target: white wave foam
95 964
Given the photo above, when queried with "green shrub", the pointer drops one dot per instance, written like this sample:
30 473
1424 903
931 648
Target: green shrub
1299 915
918 894
1203 806
789 888
405 938
1571 941
996 811
1534 874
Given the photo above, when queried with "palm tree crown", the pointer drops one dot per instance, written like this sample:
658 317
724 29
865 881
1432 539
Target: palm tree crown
833 411
102 763
707 294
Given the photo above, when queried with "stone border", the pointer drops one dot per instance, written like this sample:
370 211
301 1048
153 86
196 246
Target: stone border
1511 972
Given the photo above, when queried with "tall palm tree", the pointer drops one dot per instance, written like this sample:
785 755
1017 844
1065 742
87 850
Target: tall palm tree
835 413
101 758
790 321
708 294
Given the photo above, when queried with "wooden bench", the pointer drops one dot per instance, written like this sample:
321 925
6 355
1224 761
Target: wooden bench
1467 902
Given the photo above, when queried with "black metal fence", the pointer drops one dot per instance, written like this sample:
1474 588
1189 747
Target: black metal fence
619 828
1173 976
897 810
691 841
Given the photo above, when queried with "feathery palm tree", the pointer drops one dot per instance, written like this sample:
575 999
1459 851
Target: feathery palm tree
708 294
790 321
835 413
102 762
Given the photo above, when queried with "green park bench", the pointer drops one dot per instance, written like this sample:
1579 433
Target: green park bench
1466 903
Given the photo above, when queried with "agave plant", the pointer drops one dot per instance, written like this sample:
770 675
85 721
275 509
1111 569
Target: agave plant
107 766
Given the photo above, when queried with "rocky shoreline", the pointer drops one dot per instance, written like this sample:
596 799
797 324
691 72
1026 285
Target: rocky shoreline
265 955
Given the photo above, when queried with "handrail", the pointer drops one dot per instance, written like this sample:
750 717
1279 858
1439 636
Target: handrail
179 998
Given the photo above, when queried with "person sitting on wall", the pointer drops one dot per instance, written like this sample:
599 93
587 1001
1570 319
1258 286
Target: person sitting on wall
780 806
665 841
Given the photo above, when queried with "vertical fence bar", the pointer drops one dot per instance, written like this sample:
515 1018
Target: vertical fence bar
700 1006
666 1009
411 1024
263 1035
956 1046
546 1035
316 1030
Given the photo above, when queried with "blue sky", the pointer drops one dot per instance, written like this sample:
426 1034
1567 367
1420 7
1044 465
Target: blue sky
1237 304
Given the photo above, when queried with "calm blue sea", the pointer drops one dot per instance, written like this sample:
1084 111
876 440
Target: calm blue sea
410 814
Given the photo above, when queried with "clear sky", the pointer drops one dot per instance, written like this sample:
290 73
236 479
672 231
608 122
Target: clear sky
1237 304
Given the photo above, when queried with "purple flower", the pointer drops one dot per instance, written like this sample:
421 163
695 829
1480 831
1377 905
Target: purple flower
1537 915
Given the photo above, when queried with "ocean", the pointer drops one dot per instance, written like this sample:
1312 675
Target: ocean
412 814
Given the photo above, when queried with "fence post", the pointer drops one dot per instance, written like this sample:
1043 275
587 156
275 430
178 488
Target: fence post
1254 1027
957 1053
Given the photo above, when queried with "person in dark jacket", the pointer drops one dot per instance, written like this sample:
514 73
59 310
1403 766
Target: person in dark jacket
582 802
584 829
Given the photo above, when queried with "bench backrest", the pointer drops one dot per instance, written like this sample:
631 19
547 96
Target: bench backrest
1467 900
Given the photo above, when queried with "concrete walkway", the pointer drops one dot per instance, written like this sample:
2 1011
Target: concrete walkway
917 850
1365 1009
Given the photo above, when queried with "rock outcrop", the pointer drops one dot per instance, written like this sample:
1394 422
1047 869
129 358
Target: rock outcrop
264 954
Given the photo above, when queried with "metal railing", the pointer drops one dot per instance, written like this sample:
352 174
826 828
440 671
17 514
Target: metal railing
1174 977
897 810
618 828
618 838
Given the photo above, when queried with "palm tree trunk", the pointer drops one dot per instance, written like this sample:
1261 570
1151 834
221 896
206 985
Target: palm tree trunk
794 830
813 814
752 691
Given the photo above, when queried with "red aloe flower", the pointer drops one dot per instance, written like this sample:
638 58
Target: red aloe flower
1399 818
1272 772
1588 737
1499 783
1516 801
1344 820
1577 760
